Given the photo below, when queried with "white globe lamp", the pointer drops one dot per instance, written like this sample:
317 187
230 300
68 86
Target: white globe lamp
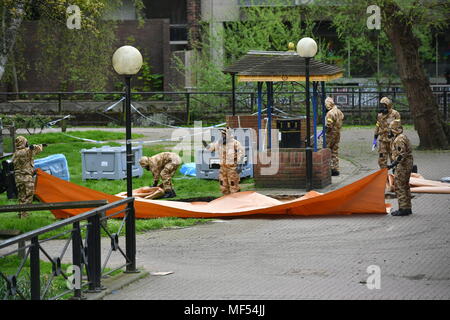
127 60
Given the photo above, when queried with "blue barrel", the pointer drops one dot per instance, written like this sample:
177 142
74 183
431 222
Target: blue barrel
56 165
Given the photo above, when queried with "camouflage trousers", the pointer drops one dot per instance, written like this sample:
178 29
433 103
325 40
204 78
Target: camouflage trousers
401 183
229 179
25 191
384 151
167 173
332 140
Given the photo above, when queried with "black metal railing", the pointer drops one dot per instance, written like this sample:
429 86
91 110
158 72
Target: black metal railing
358 103
85 238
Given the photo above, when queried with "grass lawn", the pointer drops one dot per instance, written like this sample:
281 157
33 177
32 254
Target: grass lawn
186 187
58 285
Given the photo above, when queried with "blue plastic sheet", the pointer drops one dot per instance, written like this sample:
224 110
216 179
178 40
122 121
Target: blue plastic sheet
56 165
188 169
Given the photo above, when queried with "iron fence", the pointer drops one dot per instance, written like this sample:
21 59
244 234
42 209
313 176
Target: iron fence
85 238
358 103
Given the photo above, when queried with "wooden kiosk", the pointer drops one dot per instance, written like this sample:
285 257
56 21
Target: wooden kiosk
274 66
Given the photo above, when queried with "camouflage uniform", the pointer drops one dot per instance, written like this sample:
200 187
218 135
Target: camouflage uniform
24 170
382 130
334 119
401 149
231 154
162 165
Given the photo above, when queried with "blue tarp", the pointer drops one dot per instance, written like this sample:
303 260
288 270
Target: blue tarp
56 165
188 169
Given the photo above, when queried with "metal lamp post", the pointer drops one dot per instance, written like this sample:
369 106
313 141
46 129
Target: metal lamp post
307 48
127 61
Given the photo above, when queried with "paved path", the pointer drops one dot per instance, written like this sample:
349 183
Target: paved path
305 257
308 258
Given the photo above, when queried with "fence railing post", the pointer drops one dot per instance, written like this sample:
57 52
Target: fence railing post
76 258
360 106
35 265
130 238
94 254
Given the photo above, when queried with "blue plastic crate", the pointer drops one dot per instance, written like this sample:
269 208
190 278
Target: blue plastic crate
56 165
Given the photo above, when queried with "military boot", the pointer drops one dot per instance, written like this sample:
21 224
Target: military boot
169 194
401 212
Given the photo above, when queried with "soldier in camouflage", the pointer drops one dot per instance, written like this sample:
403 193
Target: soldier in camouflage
334 119
385 116
401 152
162 165
231 156
24 170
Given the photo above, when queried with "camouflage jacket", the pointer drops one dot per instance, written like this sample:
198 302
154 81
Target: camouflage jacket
156 163
334 119
382 125
401 146
23 160
231 154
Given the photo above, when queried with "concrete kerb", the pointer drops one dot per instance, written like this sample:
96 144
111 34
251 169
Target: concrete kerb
117 282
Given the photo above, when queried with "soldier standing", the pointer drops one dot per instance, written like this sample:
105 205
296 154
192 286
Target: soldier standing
231 155
24 170
162 165
401 152
385 116
334 119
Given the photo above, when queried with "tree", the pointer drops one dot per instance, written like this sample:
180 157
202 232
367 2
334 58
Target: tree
13 13
407 25
78 58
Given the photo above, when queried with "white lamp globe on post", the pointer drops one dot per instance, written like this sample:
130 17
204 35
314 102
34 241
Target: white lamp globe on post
127 61
307 48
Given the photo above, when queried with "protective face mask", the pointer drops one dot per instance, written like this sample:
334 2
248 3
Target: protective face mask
383 109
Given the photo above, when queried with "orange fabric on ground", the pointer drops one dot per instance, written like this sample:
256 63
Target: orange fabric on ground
363 196
419 184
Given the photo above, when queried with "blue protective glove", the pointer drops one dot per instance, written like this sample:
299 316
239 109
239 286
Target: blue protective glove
320 134
374 143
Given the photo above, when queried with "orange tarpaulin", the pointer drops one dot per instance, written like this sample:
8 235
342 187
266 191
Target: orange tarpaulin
363 196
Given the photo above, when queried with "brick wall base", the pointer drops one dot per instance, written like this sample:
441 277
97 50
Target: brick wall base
292 169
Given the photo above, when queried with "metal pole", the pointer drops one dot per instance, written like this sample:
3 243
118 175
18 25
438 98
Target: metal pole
324 113
76 258
259 102
35 270
128 135
233 92
130 227
315 96
94 257
308 132
269 113
188 107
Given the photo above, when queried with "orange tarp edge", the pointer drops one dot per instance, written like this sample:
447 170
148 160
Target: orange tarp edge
363 196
